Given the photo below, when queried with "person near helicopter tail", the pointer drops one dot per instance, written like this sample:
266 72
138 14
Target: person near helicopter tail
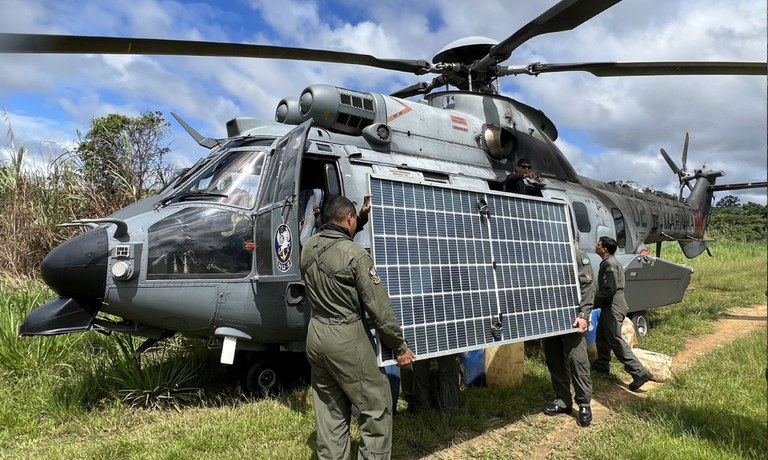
610 299
343 288
566 355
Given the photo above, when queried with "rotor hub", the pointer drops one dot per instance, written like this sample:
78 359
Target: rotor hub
465 50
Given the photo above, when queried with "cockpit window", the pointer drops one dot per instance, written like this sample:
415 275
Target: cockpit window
201 242
233 179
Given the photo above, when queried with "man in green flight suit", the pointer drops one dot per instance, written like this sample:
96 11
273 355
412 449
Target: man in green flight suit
566 355
343 287
610 299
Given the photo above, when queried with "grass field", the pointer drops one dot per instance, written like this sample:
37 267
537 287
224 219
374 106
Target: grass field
715 410
82 396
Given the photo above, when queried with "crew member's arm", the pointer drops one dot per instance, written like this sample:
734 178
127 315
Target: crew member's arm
362 215
377 306
607 284
587 287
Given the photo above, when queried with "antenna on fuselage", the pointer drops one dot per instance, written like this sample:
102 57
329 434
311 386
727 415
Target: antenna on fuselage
206 142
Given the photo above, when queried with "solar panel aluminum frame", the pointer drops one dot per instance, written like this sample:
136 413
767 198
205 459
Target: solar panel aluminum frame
468 269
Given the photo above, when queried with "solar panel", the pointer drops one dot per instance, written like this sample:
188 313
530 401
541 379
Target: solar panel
470 269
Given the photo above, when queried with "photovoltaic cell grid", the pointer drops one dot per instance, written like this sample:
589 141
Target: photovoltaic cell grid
460 279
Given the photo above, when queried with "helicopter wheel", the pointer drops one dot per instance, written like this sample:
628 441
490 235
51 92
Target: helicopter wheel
263 378
641 323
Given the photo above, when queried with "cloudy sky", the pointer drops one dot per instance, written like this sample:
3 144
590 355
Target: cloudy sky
610 128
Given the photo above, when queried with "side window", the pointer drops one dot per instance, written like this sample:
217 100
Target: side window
618 222
582 217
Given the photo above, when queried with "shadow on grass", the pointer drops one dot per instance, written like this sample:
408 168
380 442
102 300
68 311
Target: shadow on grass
485 409
739 434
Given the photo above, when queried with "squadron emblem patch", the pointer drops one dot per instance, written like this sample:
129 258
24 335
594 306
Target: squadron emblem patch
283 247
374 275
585 260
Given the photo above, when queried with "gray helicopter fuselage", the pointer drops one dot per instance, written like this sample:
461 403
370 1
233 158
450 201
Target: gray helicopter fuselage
216 254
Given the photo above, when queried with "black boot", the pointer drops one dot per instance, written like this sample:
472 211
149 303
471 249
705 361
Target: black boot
555 409
638 382
585 415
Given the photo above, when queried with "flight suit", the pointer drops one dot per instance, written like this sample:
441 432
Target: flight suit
342 286
610 299
566 355
514 183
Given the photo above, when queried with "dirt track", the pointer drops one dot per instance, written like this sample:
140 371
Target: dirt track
735 324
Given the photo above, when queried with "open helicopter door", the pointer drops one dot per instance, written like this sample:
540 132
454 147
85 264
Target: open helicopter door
276 226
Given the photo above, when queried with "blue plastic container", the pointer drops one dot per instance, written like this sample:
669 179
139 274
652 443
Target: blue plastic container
592 333
474 368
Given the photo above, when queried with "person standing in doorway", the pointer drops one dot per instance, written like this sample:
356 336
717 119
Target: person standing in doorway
515 182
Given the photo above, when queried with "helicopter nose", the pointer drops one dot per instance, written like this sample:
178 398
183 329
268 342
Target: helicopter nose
78 267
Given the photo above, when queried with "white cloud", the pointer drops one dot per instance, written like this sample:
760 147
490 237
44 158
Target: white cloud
622 122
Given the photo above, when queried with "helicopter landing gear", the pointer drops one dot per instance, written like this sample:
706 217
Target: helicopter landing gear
267 374
641 323
262 378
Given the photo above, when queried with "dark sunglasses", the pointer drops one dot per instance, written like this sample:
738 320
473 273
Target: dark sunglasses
524 166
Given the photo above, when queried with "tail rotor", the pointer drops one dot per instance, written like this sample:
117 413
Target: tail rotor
682 173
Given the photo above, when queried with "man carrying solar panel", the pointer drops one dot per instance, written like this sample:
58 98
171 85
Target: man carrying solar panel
566 355
343 286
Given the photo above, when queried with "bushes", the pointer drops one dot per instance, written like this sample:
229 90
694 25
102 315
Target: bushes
745 223
119 160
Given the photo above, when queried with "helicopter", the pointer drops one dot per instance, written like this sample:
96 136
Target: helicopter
215 254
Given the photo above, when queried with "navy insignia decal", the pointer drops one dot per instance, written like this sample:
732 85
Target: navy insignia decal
374 275
283 247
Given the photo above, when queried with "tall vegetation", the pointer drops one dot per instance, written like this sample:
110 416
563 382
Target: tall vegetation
119 160
736 222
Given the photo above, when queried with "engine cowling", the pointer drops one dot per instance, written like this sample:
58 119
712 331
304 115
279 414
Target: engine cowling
336 109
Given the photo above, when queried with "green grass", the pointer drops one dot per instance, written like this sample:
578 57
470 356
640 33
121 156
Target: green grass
715 410
82 395
735 276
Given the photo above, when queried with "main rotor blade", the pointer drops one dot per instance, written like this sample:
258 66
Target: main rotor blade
671 163
566 15
420 88
71 44
633 69
685 151
417 88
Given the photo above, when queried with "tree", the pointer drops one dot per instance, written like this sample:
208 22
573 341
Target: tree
728 201
740 223
121 158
